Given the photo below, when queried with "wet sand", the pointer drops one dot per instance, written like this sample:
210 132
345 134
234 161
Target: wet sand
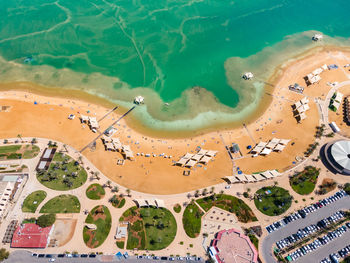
157 175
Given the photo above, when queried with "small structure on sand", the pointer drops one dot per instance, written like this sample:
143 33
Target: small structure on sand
247 76
139 100
190 160
317 37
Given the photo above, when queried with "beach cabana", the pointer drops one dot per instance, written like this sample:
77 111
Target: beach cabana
232 179
242 178
338 97
187 156
190 163
272 144
181 162
258 177
301 117
274 173
324 67
211 153
317 71
315 79
196 157
140 202
160 203
205 159
151 202
106 139
109 146
266 151
296 105
279 148
258 148
250 178
202 152
284 141
266 174
304 100
84 118
117 144
127 152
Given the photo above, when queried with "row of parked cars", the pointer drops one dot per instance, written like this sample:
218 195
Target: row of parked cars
335 257
307 231
317 243
188 258
302 213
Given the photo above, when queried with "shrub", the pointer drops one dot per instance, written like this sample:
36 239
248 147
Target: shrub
46 220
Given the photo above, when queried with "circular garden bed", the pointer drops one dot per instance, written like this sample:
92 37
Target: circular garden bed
95 192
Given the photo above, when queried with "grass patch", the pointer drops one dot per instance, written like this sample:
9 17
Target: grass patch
326 186
272 200
117 201
192 220
63 174
101 217
229 203
120 244
304 182
177 208
95 192
254 240
62 204
13 152
149 228
32 201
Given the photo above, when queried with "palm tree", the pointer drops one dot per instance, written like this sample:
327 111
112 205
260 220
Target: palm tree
196 193
65 147
128 192
108 183
80 159
204 191
97 175
115 189
20 136
212 189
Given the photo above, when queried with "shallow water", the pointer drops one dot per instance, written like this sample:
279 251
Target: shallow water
164 50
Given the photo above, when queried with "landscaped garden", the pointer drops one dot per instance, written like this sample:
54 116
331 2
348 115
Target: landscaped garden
95 192
11 152
304 182
101 217
192 220
272 200
177 208
62 204
32 201
64 173
117 201
326 186
149 228
229 203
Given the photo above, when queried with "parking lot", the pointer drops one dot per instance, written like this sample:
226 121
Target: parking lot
20 256
311 218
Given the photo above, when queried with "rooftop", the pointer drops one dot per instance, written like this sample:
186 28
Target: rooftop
30 236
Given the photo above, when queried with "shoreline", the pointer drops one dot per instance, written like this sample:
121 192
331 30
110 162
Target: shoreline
133 123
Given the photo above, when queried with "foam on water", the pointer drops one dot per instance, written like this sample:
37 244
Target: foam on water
188 53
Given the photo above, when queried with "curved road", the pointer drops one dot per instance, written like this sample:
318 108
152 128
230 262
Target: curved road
293 227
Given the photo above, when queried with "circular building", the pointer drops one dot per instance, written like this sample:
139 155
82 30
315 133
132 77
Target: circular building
337 155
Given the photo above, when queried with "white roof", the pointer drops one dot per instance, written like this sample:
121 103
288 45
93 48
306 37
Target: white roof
340 151
266 151
324 67
205 159
42 165
258 177
151 202
182 161
336 104
211 153
317 71
159 202
304 100
241 178
297 104
196 157
274 173
250 178
301 116
47 153
314 79
284 141
127 151
338 97
121 232
202 152
259 147
187 156
279 147
232 179
84 118
106 138
309 76
190 163
141 202
109 146
266 174
272 144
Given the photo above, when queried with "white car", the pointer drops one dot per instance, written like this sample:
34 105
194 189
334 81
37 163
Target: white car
71 116
52 260
227 186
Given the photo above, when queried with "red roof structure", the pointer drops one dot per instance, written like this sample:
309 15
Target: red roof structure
231 246
30 236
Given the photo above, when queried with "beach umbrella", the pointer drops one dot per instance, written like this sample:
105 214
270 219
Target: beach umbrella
239 172
249 147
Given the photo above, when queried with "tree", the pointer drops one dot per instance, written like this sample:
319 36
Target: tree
109 184
128 192
4 254
65 147
115 189
34 140
212 189
97 175
46 220
80 159
20 136
204 191
196 193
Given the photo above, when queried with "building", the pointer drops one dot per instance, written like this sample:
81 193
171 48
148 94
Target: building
337 155
31 236
46 159
231 246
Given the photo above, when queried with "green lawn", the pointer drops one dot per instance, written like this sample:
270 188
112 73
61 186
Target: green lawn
120 244
95 192
11 152
229 203
117 201
149 228
347 188
63 174
101 217
177 208
254 240
62 204
192 220
304 182
275 203
32 201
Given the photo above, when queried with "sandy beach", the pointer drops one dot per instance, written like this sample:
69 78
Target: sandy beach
48 119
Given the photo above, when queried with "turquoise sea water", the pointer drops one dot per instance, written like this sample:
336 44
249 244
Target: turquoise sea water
164 50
